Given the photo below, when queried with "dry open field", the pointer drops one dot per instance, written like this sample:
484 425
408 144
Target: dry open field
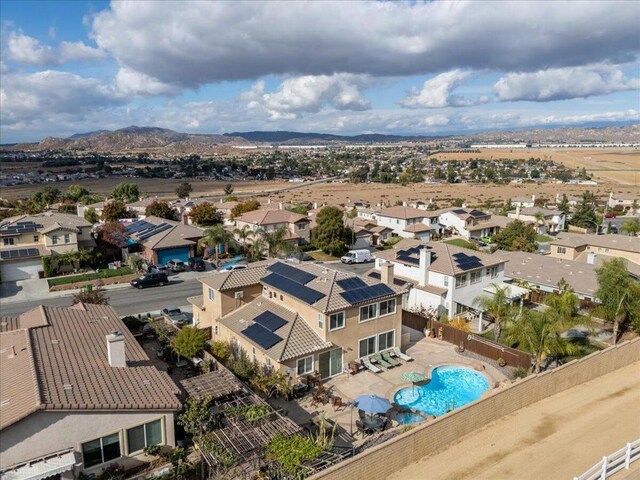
557 438
606 164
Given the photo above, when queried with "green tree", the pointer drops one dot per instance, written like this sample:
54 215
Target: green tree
585 213
499 308
184 189
76 192
214 237
330 233
517 236
244 207
353 213
564 206
114 211
299 209
45 197
274 242
95 296
228 189
126 192
91 216
196 415
68 208
631 226
618 294
112 233
160 208
243 235
205 214
189 342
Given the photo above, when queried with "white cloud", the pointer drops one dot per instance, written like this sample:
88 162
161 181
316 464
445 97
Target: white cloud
24 49
195 43
308 94
563 83
130 83
437 92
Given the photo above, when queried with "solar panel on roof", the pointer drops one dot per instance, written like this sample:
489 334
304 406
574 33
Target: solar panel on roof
270 321
408 259
477 213
459 211
367 293
138 226
351 283
260 335
160 228
14 254
306 294
4 255
466 262
295 274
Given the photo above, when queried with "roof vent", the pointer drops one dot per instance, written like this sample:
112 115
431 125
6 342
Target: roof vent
67 386
146 382
55 341
3 324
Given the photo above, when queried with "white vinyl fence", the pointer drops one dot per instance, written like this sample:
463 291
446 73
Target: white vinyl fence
613 463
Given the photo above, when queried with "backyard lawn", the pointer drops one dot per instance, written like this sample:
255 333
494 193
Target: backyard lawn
106 273
543 238
320 256
459 242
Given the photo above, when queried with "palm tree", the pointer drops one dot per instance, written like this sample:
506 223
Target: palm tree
243 234
83 256
66 258
539 216
498 306
215 236
275 242
632 227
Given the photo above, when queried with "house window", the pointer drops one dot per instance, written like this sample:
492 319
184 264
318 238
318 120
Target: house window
461 280
367 346
67 238
336 321
281 298
253 352
211 294
388 307
9 241
302 226
492 272
36 238
385 235
561 249
446 281
476 276
304 365
320 320
368 312
54 239
143 436
101 450
386 340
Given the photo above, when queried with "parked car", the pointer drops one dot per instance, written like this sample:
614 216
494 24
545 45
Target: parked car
175 315
176 265
159 269
197 264
299 257
357 256
150 280
609 215
235 266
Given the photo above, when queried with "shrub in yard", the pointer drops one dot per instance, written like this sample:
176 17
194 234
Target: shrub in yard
501 362
189 342
221 351
519 372
47 266
460 324
96 296
133 323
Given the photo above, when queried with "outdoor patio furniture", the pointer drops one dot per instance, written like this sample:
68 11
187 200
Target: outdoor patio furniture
370 366
319 397
400 355
387 358
373 423
299 389
353 368
336 403
381 361
361 428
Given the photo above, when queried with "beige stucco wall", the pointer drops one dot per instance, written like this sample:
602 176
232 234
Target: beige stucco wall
225 302
47 432
612 252
570 252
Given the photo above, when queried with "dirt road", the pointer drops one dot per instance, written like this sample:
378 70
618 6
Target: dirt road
557 438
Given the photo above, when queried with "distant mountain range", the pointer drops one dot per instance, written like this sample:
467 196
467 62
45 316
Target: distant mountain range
163 141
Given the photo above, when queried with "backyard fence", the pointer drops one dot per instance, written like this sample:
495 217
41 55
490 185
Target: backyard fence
613 463
480 345
413 320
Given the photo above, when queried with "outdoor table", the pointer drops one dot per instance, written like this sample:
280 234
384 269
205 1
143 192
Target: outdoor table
373 424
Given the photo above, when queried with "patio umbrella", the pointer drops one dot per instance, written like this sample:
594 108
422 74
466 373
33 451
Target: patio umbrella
413 377
372 404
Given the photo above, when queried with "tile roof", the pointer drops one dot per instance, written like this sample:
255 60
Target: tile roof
402 212
443 256
531 211
67 350
178 235
615 242
143 202
270 217
298 339
418 228
49 219
236 278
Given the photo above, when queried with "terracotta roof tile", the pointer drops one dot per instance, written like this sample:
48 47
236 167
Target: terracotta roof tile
270 217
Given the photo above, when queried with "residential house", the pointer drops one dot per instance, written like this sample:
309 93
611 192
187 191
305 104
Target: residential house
401 219
28 238
524 202
78 394
471 223
301 319
624 201
297 226
544 220
158 240
140 207
98 207
443 276
571 199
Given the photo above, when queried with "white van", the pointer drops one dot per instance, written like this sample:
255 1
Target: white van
357 256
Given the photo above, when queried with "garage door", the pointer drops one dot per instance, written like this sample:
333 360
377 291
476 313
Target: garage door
14 271
181 253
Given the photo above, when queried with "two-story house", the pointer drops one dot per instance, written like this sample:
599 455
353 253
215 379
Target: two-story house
27 238
301 319
623 200
409 222
544 220
442 276
297 226
471 223
77 394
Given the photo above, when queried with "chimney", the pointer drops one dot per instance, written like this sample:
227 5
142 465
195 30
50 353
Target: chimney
269 200
591 258
533 199
425 263
386 273
115 350
185 218
518 212
557 198
404 204
280 205
315 205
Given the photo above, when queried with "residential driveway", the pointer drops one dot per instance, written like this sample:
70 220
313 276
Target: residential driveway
24 290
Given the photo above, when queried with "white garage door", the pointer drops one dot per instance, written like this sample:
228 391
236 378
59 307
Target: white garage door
13 271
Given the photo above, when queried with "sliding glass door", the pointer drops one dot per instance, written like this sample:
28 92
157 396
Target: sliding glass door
330 363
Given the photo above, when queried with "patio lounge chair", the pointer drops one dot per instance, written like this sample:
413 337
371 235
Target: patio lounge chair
381 361
361 429
370 366
387 358
401 355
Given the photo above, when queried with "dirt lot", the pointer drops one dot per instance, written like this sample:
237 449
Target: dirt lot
606 164
557 438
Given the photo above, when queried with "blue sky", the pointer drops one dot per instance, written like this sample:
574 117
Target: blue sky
339 67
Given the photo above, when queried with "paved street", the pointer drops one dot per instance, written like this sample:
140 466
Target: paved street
126 300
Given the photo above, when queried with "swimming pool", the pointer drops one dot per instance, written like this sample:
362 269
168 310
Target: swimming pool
450 387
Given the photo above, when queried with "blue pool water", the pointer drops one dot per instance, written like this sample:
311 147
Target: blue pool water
450 387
